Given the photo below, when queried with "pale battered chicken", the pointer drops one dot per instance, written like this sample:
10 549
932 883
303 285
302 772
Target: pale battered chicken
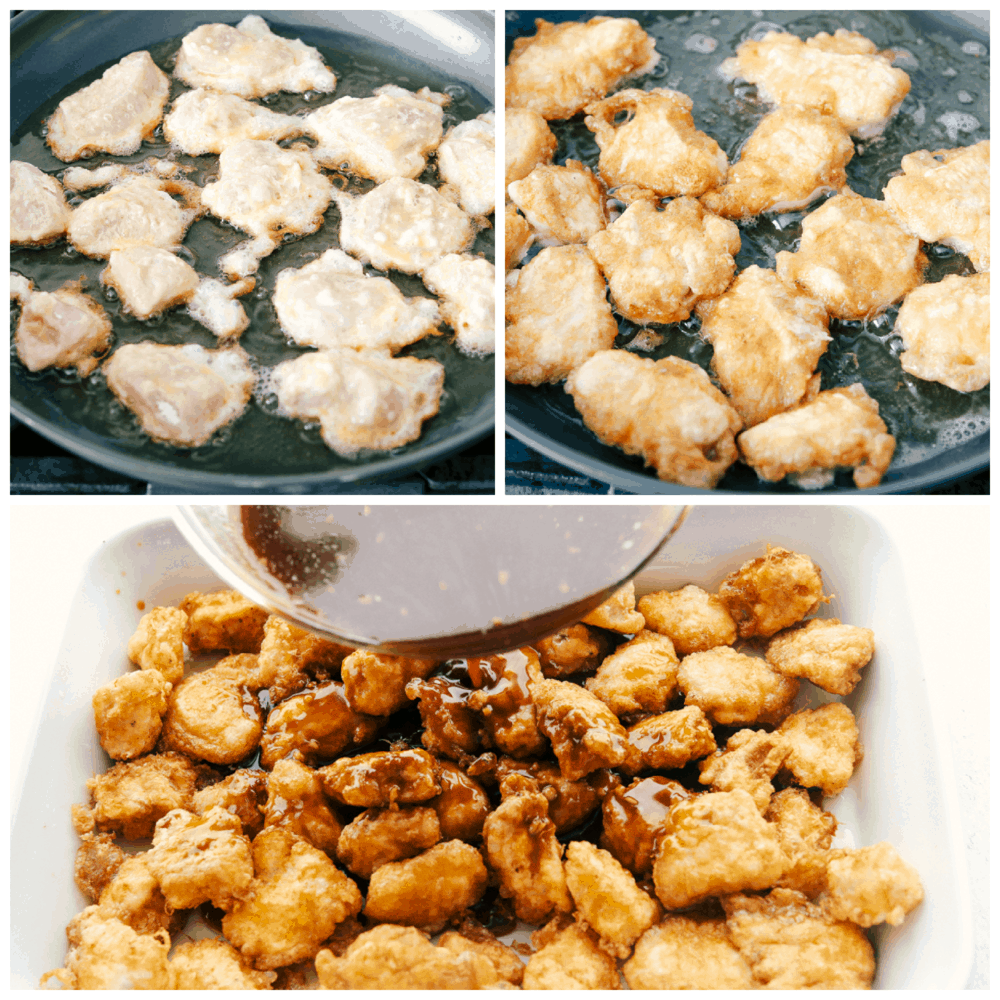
669 740
331 302
660 263
181 395
617 613
656 147
134 897
871 885
381 835
465 287
793 156
362 399
839 427
295 801
375 683
466 160
563 67
39 214
518 236
388 135
471 937
210 964
944 197
578 649
149 280
112 115
563 204
749 761
214 306
558 316
945 329
222 619
768 338
250 60
569 957
841 74
691 618
242 794
805 833
639 676
128 713
158 642
825 652
854 257
98 860
528 143
291 657
667 412
825 747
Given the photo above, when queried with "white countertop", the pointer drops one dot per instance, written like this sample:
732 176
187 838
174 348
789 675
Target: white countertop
944 547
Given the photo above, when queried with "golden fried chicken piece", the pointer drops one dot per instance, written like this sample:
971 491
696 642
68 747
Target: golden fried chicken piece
158 642
98 858
518 237
451 728
639 676
382 778
790 944
772 592
854 257
528 143
618 613
607 897
837 428
656 147
381 835
692 619
945 328
667 412
149 280
211 964
843 75
563 204
297 898
563 67
660 263
825 747
805 833
944 197
682 953
466 160
521 848
505 702
823 651
714 844
578 649
669 740
793 156
768 337
295 802
557 314
749 761
375 683
242 794
430 889
473 937
462 806
223 619
870 885
467 300
39 214
135 898
290 657
128 713
569 958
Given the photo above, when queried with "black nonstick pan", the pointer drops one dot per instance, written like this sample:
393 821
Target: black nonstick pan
54 54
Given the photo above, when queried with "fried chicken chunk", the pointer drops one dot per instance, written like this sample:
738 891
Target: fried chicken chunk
467 300
871 885
39 214
375 683
640 676
558 316
656 147
129 712
471 937
98 858
692 619
290 657
381 835
528 143
135 898
295 801
823 651
659 264
853 257
563 204
837 428
149 280
518 237
242 794
462 806
667 412
222 619
669 740
945 328
569 958
578 649
158 642
563 67
825 747
466 161
451 728
214 306
382 778
749 762
805 833
617 613
503 698
210 964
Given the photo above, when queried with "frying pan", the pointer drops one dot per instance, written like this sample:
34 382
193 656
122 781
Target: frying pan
55 53
545 419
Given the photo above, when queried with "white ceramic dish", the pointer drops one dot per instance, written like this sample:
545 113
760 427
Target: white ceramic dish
902 792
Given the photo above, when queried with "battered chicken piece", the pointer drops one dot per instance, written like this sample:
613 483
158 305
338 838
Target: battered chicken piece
380 835
507 706
430 889
570 959
656 147
466 161
60 329
475 938
375 683
295 801
331 302
39 214
944 197
841 74
578 649
202 122
871 885
198 859
297 898
823 651
660 263
682 953
149 280
945 328
223 619
451 728
518 237
618 613
98 859
793 156
557 314
135 898
465 286
824 747
158 642
362 399
670 740
563 67
210 964
838 428
607 897
733 688
128 713
768 338
214 305
250 60
749 762
528 143
242 794
805 833
693 620
563 204
113 114
382 778
667 412
462 806
640 676
853 257
790 944
291 657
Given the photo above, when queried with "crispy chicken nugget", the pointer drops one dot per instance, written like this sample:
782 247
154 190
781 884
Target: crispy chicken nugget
242 794
382 778
39 212
518 236
462 806
135 898
572 959
477 939
823 651
129 712
871 885
296 802
639 676
158 642
451 728
563 67
825 747
749 762
692 619
210 964
617 613
223 620
375 683
563 204
379 836
660 263
669 740
291 657
805 833
557 316
528 143
667 412
504 700
578 649
98 858
854 257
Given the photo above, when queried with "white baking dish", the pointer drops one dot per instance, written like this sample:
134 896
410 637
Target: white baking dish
902 792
